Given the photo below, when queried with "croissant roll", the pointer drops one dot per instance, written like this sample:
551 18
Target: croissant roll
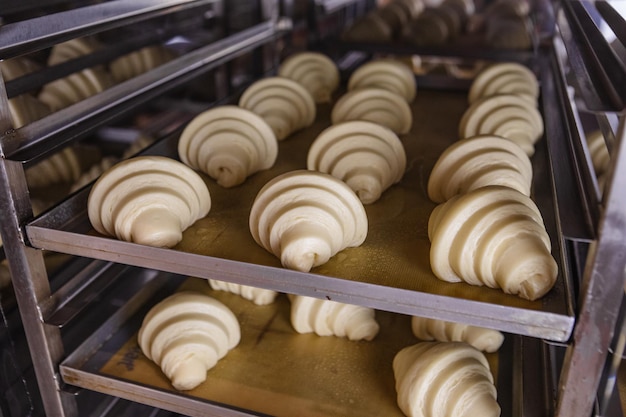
283 103
306 217
148 200
186 334
374 105
492 236
368 157
444 379
331 318
314 71
477 162
387 74
259 296
486 340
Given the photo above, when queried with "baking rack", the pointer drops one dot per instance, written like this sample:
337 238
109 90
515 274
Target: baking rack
557 347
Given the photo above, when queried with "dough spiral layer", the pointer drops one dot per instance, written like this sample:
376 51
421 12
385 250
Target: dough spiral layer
148 200
314 71
506 115
259 296
492 236
228 143
283 103
76 87
444 379
374 105
331 318
505 78
138 62
306 217
387 74
186 334
61 167
477 162
487 340
366 156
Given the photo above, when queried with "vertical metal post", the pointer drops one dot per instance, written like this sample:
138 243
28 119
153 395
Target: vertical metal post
601 294
29 276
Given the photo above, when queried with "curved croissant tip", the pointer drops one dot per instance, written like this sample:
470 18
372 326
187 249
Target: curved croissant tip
189 374
157 227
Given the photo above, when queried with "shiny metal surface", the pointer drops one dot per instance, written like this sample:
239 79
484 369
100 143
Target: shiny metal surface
601 295
379 274
41 32
28 273
49 133
361 384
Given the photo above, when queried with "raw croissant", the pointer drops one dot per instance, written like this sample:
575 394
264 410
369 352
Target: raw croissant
186 334
505 78
72 49
259 296
148 200
283 103
26 109
306 217
228 143
76 87
366 156
387 74
476 162
487 340
138 62
492 236
331 318
314 71
506 115
444 379
17 67
374 105
60 167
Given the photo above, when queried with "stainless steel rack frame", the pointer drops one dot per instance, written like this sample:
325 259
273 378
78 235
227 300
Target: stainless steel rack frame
585 316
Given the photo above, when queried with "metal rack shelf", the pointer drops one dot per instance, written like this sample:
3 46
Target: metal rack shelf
240 385
376 275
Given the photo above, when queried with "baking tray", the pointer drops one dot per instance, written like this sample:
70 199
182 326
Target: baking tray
273 370
390 271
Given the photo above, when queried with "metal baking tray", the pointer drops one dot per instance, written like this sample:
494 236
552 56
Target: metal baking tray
274 370
390 271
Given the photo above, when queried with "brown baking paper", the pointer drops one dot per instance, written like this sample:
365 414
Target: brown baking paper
276 371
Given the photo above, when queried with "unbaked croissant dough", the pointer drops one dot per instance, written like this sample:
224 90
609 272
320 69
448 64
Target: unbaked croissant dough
259 296
374 105
283 103
507 115
600 157
492 236
228 143
331 318
487 340
314 71
506 77
72 49
26 109
444 379
388 74
476 162
366 156
60 167
186 334
17 67
148 200
138 62
75 87
306 217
